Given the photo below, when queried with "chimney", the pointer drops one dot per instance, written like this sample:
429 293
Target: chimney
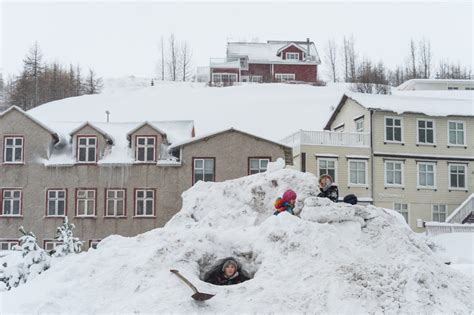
308 54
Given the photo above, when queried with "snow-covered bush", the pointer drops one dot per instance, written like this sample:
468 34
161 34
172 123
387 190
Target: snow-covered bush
68 244
34 260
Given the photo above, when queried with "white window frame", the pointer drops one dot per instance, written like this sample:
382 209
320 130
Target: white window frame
115 201
401 209
256 78
418 186
86 146
9 243
13 147
426 128
464 133
221 74
402 166
145 147
144 199
318 165
292 54
465 176
385 129
203 169
12 201
438 212
56 200
358 121
349 173
284 77
86 199
260 169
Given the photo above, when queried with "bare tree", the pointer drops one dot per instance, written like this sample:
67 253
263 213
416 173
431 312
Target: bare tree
425 57
350 59
331 53
371 78
448 70
173 57
185 62
33 67
412 60
93 85
161 65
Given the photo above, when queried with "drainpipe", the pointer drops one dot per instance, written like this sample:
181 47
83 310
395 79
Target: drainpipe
372 157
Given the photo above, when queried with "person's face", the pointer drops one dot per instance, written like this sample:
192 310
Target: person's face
229 270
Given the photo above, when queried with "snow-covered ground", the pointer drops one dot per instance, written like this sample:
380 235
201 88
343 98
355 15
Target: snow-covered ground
456 249
271 111
333 258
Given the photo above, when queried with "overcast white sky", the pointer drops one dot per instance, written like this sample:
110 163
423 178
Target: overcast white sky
121 38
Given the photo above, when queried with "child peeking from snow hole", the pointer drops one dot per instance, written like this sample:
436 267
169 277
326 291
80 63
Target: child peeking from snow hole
328 188
286 202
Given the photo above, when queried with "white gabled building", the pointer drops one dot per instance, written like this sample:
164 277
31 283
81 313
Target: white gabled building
436 84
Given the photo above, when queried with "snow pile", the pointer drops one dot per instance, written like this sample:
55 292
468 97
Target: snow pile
336 258
457 249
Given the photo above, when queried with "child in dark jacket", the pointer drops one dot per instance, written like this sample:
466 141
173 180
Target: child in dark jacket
328 188
286 202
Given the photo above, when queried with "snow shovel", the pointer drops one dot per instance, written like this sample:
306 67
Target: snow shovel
198 296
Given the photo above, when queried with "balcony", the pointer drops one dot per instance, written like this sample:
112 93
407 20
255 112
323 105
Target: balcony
224 63
328 138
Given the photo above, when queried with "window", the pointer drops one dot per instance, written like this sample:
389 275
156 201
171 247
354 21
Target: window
393 129
13 150
393 173
282 77
292 56
56 202
85 202
11 202
115 203
456 132
339 128
144 202
457 176
86 151
203 170
425 131
224 77
8 245
327 166
93 243
401 208
258 165
244 63
426 175
50 245
469 88
359 124
357 172
256 78
452 88
145 147
439 213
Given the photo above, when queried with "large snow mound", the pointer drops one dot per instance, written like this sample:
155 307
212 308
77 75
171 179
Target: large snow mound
334 258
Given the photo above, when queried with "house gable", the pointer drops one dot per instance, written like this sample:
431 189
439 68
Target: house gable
291 48
147 130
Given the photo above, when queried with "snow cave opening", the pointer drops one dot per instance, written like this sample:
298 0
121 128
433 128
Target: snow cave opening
211 267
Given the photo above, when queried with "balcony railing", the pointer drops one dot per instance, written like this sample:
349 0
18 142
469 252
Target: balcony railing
328 138
435 228
463 211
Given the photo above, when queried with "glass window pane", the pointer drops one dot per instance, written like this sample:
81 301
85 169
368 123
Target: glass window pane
149 207
9 141
151 141
61 207
460 137
91 141
18 141
140 193
82 141
140 204
110 207
16 207
389 122
9 155
61 194
16 194
149 194
253 163
141 154
17 154
209 165
82 154
91 156
51 208
398 134
397 122
150 153
141 141
198 163
198 176
120 208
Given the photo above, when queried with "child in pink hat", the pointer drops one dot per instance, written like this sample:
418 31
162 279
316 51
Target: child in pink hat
286 202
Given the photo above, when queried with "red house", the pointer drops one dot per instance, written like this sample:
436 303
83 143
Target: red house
273 61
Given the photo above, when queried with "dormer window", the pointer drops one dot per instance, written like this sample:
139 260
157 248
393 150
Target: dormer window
87 149
13 152
145 149
292 56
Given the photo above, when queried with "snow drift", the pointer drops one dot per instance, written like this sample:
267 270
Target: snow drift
334 258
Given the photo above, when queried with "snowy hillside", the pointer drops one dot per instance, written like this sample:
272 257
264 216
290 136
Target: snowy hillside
334 258
272 111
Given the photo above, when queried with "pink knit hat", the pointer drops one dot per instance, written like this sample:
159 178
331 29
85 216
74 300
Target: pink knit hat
288 196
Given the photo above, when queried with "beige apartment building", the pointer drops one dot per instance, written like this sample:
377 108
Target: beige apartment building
111 178
408 153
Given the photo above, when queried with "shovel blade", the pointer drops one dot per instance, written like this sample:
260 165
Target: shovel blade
199 296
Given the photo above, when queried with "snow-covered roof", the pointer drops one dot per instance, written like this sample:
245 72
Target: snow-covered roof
400 103
36 121
213 134
410 84
119 152
93 126
268 52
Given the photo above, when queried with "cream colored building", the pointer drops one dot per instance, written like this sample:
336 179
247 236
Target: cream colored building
436 84
416 153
